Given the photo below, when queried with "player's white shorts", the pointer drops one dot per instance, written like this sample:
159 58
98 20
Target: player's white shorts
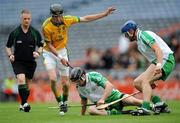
51 61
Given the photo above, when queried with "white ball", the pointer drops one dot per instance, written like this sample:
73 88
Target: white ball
61 113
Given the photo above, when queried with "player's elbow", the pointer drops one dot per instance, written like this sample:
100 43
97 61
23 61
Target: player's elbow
84 19
109 86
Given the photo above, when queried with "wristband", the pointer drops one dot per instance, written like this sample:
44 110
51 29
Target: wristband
59 57
159 65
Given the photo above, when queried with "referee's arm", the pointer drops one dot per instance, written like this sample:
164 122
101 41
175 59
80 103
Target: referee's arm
9 45
8 48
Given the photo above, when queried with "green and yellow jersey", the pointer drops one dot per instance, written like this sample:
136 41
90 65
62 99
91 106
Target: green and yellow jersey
58 35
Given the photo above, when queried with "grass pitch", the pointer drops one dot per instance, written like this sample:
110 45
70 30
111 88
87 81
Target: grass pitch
41 114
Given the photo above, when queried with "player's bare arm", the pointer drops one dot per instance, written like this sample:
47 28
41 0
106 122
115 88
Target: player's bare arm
53 50
83 103
93 17
107 91
159 56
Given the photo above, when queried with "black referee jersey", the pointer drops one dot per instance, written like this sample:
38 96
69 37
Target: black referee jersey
24 43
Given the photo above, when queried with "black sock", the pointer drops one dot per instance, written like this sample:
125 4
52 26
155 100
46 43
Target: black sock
23 92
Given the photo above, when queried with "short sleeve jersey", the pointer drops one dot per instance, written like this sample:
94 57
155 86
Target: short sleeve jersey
146 39
24 43
58 35
94 88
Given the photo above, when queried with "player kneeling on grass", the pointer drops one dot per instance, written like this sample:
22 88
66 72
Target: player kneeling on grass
95 87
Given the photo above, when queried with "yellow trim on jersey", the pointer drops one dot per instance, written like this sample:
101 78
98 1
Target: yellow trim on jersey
58 35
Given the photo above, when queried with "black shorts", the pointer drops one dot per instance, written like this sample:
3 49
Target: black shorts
27 68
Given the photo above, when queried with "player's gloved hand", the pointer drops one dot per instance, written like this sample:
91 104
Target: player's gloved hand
36 54
109 10
100 102
158 68
11 58
64 62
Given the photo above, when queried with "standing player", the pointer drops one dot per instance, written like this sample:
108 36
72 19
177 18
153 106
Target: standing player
55 31
95 87
24 40
162 63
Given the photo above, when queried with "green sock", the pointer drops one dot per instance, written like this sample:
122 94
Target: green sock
58 99
146 105
113 112
155 99
64 98
65 93
23 92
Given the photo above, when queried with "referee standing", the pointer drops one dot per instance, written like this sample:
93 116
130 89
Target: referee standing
24 40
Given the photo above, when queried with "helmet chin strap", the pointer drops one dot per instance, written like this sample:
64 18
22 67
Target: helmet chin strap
82 78
129 34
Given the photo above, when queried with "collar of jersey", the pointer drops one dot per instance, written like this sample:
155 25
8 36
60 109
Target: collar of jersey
138 33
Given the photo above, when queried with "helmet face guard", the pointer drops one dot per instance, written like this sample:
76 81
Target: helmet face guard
56 14
76 74
56 10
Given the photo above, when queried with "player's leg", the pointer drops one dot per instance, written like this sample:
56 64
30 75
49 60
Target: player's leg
168 66
53 81
131 101
138 81
65 87
94 111
138 86
159 105
116 108
143 83
64 97
50 64
64 79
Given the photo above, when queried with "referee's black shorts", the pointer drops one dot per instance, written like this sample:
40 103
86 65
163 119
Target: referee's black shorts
27 68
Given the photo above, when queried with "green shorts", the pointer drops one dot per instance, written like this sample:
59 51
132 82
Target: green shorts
115 95
167 67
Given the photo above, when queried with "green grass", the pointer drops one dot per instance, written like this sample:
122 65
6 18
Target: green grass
41 114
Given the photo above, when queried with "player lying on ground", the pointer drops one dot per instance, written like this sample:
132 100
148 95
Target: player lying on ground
162 63
99 90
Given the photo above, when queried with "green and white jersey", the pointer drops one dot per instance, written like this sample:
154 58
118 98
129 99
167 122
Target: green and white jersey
147 38
94 88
